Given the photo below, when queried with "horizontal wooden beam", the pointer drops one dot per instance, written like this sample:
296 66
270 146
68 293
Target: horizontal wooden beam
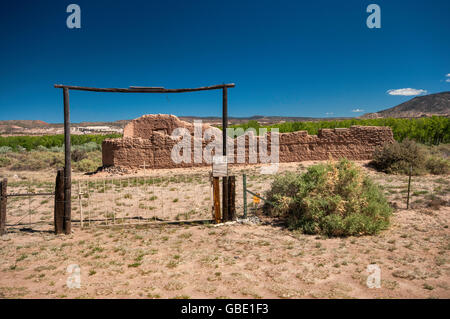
140 89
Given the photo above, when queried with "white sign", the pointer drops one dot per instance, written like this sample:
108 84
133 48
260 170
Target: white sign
220 166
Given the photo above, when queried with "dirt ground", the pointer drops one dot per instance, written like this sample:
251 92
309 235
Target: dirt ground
240 260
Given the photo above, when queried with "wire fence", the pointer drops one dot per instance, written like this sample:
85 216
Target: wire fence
143 199
130 200
30 204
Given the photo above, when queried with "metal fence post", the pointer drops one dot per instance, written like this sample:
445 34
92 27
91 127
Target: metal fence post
244 186
409 186
3 200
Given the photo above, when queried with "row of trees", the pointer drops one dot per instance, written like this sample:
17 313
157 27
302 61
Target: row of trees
428 130
49 141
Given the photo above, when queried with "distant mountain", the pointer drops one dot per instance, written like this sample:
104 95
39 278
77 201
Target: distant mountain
427 105
24 123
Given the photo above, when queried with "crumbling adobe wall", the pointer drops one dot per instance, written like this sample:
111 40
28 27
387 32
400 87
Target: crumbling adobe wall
147 141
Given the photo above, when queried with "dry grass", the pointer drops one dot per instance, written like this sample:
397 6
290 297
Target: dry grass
236 261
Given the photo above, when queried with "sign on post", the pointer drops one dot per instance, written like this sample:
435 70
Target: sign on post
220 166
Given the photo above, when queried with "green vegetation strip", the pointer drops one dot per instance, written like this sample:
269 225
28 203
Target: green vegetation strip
430 130
48 141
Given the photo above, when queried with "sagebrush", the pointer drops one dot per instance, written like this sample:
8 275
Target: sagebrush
334 199
401 157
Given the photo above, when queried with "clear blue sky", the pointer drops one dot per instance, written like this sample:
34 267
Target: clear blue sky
290 58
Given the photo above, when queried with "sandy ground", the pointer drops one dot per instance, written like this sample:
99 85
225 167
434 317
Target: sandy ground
229 261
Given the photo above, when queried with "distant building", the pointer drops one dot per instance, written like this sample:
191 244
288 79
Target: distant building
95 129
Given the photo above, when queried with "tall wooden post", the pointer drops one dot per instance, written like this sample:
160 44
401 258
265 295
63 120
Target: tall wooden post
225 216
224 140
67 165
3 201
216 196
231 198
59 202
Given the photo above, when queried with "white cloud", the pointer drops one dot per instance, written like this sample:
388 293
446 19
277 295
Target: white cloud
329 113
357 110
448 75
448 80
406 92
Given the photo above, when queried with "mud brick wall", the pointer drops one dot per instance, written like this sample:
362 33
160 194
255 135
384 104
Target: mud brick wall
147 141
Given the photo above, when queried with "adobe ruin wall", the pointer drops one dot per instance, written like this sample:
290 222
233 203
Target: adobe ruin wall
147 141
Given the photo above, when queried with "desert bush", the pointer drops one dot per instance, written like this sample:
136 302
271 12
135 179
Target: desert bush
56 149
88 147
78 155
437 165
5 149
20 149
334 199
34 161
396 158
86 165
41 148
4 161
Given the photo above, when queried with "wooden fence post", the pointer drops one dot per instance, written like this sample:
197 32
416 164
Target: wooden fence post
231 198
225 216
67 166
216 195
59 202
3 200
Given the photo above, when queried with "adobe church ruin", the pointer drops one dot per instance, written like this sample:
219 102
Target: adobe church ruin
148 141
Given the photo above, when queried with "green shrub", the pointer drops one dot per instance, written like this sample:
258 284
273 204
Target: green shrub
5 149
396 158
34 161
86 165
334 199
4 161
41 148
78 155
437 165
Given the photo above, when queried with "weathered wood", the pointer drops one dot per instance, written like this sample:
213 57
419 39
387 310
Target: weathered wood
3 201
135 89
231 197
67 165
59 202
216 196
225 216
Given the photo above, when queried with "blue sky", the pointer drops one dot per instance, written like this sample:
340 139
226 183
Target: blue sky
290 58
